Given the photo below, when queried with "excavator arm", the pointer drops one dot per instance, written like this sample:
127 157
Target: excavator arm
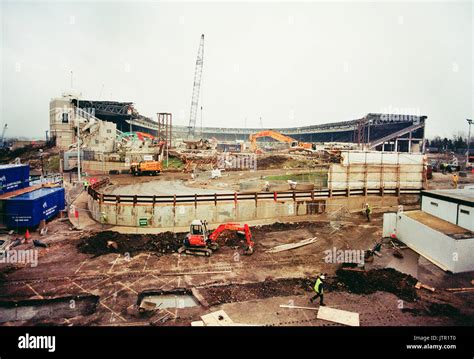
231 226
268 133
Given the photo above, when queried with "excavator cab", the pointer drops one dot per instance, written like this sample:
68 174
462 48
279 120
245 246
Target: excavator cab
197 240
199 227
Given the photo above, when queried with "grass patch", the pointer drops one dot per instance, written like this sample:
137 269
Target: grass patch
173 163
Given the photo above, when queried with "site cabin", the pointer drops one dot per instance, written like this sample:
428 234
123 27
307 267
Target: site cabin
151 168
442 231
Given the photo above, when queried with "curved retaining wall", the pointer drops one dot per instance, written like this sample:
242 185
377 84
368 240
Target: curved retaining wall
180 215
179 211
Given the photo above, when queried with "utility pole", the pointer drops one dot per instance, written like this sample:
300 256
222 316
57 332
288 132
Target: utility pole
201 122
78 153
42 163
469 121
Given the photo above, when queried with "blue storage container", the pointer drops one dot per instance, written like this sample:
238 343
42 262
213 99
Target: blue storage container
13 177
29 209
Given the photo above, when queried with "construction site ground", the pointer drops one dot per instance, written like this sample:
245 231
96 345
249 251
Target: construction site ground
183 183
249 288
84 258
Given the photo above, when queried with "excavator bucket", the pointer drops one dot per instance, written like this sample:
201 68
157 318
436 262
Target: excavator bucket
248 251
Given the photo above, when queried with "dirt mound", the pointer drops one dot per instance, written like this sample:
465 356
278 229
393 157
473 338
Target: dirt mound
273 161
168 242
249 291
162 243
113 242
279 226
386 280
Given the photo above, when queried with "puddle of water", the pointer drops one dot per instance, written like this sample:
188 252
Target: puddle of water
172 301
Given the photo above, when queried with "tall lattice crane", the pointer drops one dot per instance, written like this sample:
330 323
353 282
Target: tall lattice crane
196 88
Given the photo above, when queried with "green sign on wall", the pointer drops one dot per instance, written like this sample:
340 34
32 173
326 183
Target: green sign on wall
143 222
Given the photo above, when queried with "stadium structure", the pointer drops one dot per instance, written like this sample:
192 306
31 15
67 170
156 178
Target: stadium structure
375 131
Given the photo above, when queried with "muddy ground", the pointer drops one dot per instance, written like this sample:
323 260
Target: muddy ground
249 288
105 242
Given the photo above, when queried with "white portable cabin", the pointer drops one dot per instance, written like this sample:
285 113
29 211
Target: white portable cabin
442 231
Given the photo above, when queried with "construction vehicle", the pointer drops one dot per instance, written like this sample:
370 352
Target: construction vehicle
295 145
202 144
199 242
151 168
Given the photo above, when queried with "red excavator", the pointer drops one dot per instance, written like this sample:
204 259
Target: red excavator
199 242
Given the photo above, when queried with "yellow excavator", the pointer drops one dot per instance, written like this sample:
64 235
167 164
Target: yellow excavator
295 145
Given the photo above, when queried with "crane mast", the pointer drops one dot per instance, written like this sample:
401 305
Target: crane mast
196 88
2 140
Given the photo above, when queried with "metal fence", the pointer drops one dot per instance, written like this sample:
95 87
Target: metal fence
313 195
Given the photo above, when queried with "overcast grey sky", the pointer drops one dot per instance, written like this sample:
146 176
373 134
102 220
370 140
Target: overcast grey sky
289 63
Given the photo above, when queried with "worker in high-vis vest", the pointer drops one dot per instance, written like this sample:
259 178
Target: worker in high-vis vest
455 180
319 289
368 211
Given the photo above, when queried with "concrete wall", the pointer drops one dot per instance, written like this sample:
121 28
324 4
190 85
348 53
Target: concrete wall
374 169
375 176
381 158
64 132
355 204
168 216
102 167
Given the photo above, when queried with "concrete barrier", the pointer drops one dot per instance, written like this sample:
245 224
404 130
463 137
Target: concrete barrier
180 215
180 210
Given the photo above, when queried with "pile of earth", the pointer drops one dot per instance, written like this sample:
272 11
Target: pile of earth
230 293
273 161
162 243
279 226
386 280
113 242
